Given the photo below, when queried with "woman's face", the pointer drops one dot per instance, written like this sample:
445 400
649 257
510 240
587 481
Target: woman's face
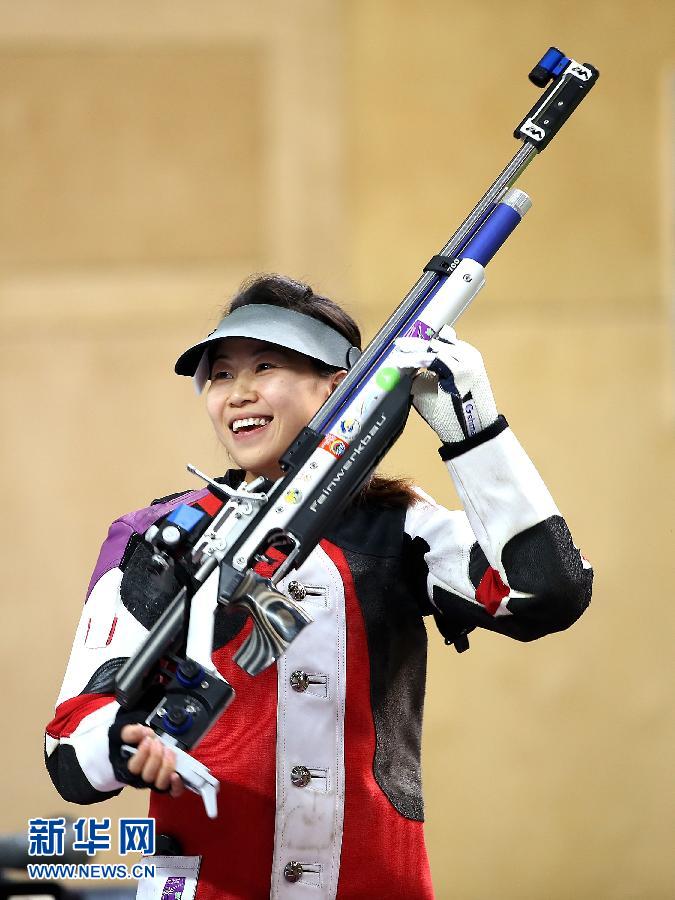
259 398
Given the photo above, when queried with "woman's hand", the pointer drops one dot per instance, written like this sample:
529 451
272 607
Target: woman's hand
153 761
454 394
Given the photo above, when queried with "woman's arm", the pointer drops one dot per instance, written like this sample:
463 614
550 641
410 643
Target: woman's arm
122 605
76 740
508 563
518 571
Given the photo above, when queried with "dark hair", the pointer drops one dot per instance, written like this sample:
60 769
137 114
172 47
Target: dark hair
278 290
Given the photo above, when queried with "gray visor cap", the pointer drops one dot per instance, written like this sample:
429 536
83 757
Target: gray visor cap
275 325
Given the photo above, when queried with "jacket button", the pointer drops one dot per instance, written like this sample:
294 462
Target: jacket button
293 871
297 591
299 680
300 776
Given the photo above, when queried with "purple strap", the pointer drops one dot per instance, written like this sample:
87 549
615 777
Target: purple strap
136 522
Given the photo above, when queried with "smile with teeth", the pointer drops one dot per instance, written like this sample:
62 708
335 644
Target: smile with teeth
252 423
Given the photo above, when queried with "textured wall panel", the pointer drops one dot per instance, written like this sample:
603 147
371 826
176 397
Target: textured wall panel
130 156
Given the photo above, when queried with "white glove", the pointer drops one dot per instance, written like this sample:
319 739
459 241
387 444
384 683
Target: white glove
454 395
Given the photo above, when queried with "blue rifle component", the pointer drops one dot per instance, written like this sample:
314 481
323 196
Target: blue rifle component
185 517
445 265
549 66
492 234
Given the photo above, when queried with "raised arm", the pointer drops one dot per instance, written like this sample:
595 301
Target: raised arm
517 570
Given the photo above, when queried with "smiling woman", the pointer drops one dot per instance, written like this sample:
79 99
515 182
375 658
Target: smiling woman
260 397
318 758
313 336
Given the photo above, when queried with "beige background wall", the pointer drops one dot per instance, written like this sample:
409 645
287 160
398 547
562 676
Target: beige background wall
153 154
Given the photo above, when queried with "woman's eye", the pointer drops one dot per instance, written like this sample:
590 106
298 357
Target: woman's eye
219 376
264 366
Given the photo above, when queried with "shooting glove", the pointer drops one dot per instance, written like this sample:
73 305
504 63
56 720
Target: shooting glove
454 395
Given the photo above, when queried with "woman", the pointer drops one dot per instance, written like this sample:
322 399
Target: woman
318 757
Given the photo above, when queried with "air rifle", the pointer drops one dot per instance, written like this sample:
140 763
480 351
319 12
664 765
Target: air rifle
325 467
